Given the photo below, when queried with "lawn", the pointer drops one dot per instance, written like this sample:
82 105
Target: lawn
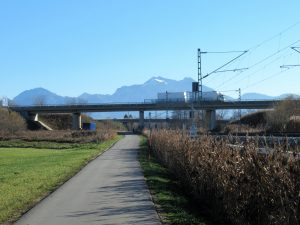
173 205
28 174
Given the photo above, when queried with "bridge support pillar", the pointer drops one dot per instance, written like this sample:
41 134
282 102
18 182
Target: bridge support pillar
141 120
76 121
210 119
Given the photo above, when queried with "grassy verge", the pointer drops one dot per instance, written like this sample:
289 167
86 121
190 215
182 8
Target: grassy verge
45 144
29 174
173 206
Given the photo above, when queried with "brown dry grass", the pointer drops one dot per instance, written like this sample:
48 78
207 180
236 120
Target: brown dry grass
241 187
60 136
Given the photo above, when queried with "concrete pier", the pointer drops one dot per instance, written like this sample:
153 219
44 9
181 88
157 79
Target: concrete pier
210 119
76 121
141 120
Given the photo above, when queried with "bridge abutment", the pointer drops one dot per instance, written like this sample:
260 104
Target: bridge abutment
76 121
210 119
30 116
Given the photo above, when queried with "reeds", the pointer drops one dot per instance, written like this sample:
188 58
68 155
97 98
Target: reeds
239 185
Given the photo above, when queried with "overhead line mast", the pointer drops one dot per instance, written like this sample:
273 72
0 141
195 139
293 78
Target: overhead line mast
218 70
199 75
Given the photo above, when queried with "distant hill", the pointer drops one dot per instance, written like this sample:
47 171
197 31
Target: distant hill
38 96
258 96
41 96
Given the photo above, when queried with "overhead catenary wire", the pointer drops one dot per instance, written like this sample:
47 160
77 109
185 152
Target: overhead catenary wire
288 66
261 44
292 65
267 78
296 49
232 70
253 73
275 36
250 51
260 62
216 70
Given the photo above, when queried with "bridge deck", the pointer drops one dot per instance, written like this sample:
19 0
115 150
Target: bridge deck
121 107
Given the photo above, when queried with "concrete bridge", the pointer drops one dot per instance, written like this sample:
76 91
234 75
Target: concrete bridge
209 107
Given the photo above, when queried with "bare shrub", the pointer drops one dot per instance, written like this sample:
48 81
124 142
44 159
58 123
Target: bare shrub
11 122
110 125
279 118
234 128
242 186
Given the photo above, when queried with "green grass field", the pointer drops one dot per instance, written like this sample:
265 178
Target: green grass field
27 174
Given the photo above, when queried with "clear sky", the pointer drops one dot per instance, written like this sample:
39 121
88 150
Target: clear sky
95 46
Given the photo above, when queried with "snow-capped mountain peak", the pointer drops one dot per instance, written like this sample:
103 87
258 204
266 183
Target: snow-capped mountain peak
160 81
156 80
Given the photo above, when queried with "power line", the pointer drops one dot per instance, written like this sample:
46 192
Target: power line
241 71
267 78
264 42
218 69
275 53
261 61
223 52
235 90
233 70
296 49
261 44
255 72
275 36
288 66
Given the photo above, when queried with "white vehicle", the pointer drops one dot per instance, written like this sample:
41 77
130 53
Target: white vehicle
187 96
212 96
184 96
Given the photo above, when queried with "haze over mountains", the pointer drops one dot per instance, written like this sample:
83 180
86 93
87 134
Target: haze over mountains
132 93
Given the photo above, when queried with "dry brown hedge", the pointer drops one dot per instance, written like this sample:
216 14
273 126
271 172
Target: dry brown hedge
239 186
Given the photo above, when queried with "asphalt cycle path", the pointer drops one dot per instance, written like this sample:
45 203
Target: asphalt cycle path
110 190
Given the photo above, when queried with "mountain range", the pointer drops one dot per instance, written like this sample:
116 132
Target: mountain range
132 93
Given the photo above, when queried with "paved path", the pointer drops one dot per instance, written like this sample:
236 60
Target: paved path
110 190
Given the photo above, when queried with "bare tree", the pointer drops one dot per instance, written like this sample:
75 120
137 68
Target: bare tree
75 101
222 114
40 100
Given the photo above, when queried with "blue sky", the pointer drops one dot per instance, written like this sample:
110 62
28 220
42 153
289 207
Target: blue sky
70 47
